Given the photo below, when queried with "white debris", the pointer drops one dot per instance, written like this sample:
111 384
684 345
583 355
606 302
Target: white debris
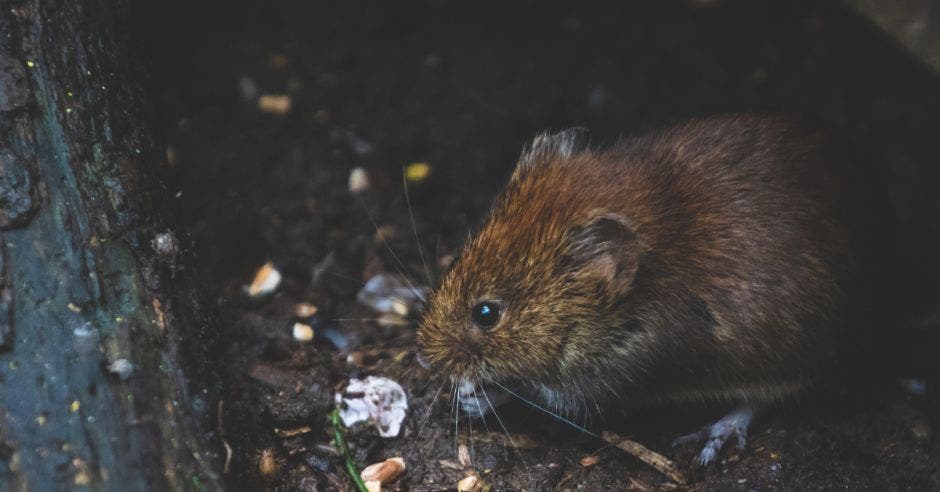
358 180
378 400
122 367
165 244
387 294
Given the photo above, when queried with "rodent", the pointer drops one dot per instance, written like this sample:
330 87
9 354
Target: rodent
715 260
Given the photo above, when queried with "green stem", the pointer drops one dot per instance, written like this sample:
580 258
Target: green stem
344 448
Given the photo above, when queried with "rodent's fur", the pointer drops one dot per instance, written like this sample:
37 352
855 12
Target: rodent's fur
712 261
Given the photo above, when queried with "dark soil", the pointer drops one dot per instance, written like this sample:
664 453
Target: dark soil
462 86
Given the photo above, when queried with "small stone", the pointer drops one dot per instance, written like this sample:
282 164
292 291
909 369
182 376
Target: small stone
303 332
165 245
122 367
358 180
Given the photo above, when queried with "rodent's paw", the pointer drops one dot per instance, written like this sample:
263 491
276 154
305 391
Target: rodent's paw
716 435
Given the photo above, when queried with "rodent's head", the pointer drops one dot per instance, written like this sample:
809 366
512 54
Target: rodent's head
533 292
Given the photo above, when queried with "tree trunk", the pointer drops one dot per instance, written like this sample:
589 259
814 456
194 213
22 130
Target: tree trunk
97 324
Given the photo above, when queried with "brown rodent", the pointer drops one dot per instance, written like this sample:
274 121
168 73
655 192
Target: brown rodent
712 261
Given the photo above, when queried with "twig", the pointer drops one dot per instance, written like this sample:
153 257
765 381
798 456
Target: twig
344 449
661 463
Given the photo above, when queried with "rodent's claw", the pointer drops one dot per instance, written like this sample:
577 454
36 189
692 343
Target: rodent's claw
716 435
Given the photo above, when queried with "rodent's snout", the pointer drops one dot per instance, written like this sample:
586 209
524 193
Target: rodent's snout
454 352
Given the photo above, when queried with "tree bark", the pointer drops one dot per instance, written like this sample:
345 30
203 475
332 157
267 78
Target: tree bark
98 326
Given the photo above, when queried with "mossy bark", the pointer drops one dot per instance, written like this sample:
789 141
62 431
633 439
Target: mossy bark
96 322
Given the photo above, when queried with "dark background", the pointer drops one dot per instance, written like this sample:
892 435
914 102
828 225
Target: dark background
462 86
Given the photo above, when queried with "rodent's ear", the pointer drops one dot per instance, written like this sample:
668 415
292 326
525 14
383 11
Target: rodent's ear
546 146
606 247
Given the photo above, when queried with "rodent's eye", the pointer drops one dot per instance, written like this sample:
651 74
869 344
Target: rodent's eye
486 314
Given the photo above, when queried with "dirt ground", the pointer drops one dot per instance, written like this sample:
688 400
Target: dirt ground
461 87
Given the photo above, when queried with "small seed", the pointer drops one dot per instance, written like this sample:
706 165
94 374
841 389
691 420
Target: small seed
274 103
472 483
463 455
266 280
385 471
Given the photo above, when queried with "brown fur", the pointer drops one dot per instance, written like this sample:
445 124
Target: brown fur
708 261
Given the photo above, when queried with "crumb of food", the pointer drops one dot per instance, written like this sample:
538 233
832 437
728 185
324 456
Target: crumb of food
303 332
417 172
274 103
358 180
378 400
384 472
266 280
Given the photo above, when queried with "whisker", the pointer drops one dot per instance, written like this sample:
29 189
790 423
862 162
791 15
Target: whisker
401 266
360 282
549 412
470 430
506 431
456 420
414 228
358 319
482 413
427 416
